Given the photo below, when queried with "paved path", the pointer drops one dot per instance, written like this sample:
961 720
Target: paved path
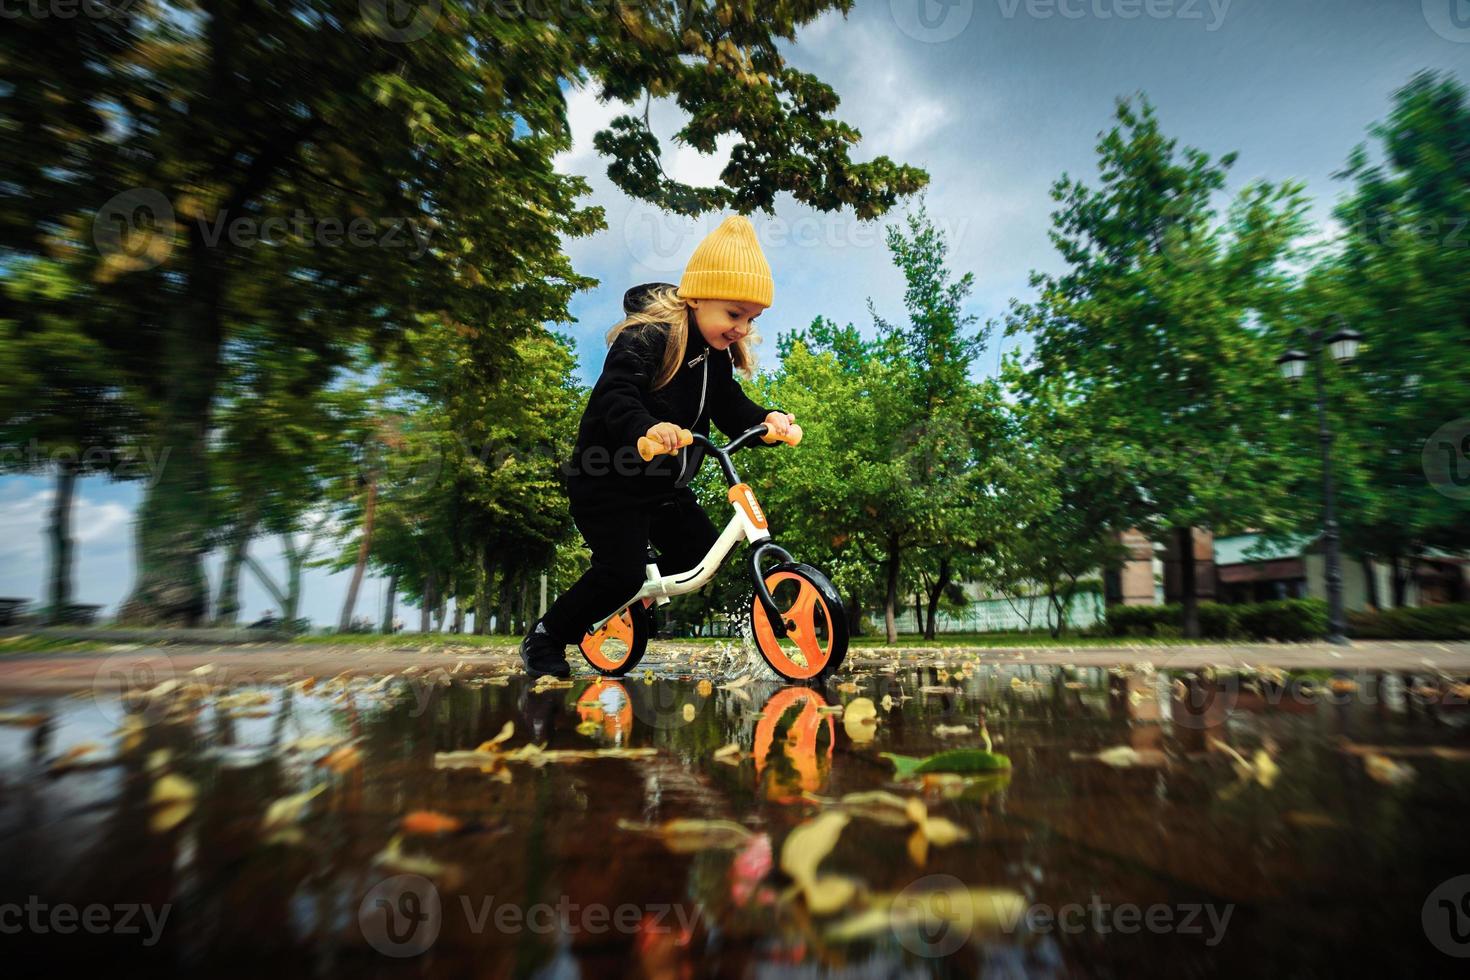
64 673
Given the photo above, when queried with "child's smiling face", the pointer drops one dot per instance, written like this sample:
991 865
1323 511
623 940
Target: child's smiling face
724 322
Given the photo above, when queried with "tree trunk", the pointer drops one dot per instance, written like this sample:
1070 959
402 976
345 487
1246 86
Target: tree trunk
426 604
502 612
459 609
935 594
369 511
227 602
482 599
523 625
173 520
390 602
1400 580
1371 579
1184 536
890 598
60 594
854 612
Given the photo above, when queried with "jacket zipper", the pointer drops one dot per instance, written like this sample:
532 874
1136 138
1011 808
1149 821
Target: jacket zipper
684 453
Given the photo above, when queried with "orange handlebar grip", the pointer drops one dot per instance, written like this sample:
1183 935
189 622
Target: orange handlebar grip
791 439
649 448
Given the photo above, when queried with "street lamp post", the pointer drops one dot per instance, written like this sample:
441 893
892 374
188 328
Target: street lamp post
1343 346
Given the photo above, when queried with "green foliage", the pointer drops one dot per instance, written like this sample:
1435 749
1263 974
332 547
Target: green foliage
1446 622
1283 620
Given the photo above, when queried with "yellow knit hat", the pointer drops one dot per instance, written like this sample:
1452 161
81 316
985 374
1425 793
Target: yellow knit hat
728 264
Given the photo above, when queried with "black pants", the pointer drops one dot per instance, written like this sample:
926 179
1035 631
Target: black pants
619 535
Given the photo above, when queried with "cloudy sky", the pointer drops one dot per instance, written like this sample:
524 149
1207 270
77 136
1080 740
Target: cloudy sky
995 99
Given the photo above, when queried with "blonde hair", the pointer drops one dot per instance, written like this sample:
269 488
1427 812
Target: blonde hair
665 307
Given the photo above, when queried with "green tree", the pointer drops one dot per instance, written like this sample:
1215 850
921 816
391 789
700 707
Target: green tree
169 149
1401 275
1155 325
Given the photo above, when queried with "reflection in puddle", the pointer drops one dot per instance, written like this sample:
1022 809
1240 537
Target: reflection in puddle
643 825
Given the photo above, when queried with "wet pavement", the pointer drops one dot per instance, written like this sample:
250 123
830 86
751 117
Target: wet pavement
462 822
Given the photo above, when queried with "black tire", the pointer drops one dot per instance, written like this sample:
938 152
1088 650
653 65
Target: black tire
831 632
641 620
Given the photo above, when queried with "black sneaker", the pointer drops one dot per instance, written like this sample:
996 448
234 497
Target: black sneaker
542 653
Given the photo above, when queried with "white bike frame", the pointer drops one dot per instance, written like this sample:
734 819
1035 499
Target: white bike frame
742 525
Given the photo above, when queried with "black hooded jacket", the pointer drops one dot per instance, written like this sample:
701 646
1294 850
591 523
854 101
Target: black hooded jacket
605 466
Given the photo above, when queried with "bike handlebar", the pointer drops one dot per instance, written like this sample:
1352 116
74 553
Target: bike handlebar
649 448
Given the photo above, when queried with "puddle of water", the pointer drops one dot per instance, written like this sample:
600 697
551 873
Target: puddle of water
1188 854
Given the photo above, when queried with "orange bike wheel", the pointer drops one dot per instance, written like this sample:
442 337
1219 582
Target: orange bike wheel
816 626
619 645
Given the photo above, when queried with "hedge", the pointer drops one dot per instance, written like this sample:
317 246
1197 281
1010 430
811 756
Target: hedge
1447 622
1284 619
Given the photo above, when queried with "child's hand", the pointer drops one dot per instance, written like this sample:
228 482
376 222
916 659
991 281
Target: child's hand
666 434
779 423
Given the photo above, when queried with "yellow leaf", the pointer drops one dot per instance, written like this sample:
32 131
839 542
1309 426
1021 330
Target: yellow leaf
828 894
809 843
918 846
172 800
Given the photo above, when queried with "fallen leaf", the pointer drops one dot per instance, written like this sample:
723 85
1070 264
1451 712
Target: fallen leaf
429 822
729 754
68 758
962 910
944 730
860 720
1127 757
506 731
172 800
955 760
1384 770
278 826
342 759
809 843
391 858
690 836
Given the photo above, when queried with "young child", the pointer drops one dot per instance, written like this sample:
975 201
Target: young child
671 365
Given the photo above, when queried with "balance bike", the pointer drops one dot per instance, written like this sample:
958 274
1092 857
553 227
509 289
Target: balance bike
796 616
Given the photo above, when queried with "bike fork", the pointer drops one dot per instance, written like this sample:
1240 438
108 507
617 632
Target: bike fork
763 594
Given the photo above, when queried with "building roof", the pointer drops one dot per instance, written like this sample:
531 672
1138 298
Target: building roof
1239 549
